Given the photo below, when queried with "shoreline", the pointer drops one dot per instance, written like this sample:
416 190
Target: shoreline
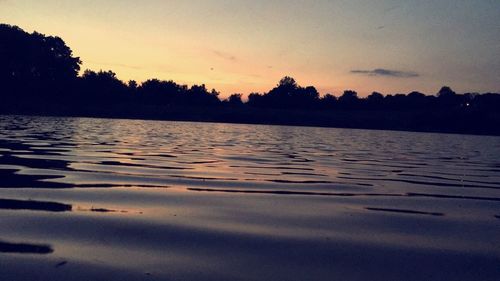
399 121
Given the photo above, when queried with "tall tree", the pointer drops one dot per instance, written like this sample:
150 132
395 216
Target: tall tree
35 64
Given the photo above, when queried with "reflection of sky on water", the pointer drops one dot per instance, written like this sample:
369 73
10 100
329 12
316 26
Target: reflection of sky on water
188 199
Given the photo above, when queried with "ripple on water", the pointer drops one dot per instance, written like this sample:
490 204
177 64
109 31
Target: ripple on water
191 201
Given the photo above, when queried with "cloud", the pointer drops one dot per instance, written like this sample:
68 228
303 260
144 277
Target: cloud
224 55
386 72
113 64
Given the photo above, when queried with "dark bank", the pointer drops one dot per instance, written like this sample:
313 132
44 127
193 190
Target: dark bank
39 75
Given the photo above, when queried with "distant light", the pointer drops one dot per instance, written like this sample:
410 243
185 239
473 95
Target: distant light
467 104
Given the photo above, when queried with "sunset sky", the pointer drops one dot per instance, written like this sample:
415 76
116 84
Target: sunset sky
248 45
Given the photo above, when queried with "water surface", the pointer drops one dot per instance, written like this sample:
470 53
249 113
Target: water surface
97 199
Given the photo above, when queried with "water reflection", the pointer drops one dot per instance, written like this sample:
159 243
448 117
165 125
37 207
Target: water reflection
31 205
22 248
400 211
194 201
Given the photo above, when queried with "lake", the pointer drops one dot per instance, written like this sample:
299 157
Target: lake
99 199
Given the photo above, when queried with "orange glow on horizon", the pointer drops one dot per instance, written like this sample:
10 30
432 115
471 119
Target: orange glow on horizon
226 47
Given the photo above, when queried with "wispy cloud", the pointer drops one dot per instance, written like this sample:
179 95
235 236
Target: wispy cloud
224 55
386 72
113 64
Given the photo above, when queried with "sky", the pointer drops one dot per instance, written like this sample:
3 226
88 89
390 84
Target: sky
244 46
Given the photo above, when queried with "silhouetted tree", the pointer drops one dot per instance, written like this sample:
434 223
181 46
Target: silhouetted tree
255 99
328 101
488 102
159 92
349 100
287 94
375 100
199 95
35 65
132 85
307 97
102 87
281 95
287 83
375 97
416 95
447 98
445 92
234 100
416 100
39 75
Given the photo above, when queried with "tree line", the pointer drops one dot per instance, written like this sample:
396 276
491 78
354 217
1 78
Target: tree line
38 71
